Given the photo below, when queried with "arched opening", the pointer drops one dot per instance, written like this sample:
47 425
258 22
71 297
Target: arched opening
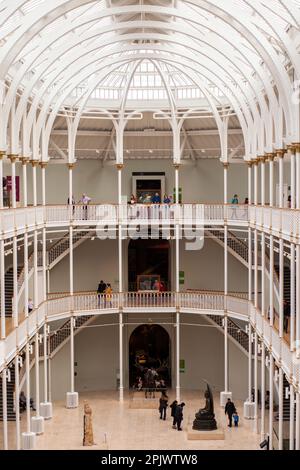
148 261
149 346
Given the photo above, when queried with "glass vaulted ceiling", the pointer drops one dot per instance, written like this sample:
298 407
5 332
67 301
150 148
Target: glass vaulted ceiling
144 50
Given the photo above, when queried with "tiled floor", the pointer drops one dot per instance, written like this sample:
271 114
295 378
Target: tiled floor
125 428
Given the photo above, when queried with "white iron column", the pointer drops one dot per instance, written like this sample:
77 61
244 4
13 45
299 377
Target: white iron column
281 287
70 172
271 398
72 396
24 179
177 274
292 152
15 283
256 268
28 437
263 390
34 187
280 414
226 393
17 405
297 148
37 422
280 154
271 177
271 268
120 264
263 181
263 273
297 331
292 419
250 183
2 288
297 444
4 408
293 295
13 159
1 179
43 171
255 382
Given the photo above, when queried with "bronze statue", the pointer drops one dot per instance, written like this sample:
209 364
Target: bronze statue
205 418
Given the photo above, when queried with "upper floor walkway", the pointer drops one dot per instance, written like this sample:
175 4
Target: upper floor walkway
284 222
64 306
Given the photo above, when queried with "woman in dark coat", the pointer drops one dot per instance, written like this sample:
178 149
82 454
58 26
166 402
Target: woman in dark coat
163 404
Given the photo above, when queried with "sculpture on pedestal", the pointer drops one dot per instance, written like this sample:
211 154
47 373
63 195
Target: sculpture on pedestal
88 436
205 418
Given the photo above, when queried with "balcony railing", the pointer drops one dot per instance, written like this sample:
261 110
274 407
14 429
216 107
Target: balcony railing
214 304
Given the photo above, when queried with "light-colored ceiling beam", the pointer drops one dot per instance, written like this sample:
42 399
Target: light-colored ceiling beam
145 133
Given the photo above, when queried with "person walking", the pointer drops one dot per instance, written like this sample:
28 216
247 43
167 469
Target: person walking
179 416
230 410
236 419
173 407
163 404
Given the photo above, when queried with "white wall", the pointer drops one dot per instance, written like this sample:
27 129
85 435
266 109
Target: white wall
200 182
97 356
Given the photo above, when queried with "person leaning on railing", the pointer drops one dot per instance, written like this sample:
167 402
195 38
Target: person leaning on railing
85 200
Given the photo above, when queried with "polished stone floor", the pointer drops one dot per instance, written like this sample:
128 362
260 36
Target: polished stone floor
118 427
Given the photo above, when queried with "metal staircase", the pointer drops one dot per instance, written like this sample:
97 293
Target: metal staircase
239 249
10 394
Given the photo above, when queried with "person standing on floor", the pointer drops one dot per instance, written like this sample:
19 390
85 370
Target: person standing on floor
173 407
230 410
163 404
179 415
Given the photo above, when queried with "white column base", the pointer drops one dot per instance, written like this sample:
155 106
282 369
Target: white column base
46 410
37 424
249 410
72 400
28 441
224 397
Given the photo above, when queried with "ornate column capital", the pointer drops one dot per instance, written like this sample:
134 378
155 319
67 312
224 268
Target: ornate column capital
13 157
280 153
249 163
291 148
176 165
270 157
34 163
261 158
43 164
296 147
226 165
255 161
120 166
2 154
24 160
70 166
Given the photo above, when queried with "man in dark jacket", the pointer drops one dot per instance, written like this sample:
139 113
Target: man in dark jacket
179 415
229 411
173 407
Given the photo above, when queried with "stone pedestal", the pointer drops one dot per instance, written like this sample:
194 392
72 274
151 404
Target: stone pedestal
249 410
72 400
224 397
46 410
37 425
28 441
216 435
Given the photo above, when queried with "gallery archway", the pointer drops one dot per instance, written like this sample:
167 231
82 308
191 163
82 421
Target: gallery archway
149 346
